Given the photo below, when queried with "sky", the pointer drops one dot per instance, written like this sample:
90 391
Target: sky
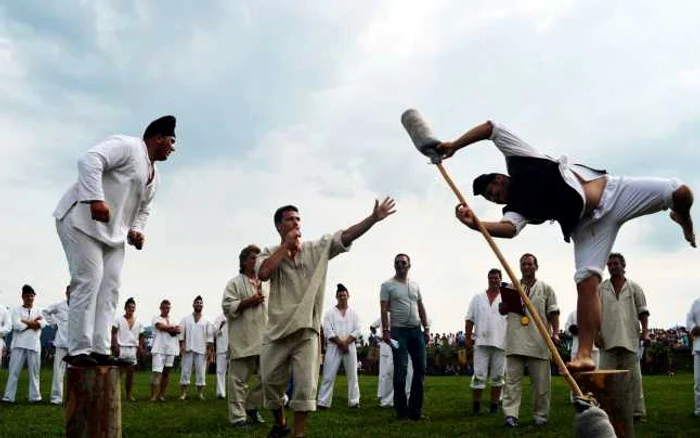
300 102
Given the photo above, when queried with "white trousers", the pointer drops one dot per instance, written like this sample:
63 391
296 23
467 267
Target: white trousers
385 385
332 360
221 368
200 363
488 362
59 371
95 269
696 387
17 358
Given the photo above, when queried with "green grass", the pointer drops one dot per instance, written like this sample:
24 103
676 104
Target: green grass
447 402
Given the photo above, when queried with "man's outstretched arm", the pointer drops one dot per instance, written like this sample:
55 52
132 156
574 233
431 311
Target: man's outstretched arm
477 133
379 212
502 229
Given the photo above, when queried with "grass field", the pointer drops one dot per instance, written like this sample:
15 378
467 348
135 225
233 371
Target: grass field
447 402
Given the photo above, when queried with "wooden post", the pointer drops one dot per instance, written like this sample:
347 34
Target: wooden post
612 389
93 404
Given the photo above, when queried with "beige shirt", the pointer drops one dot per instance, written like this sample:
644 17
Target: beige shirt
245 327
526 340
620 326
297 286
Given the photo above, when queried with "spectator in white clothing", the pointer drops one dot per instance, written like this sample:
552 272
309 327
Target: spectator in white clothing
385 382
221 341
128 343
693 325
196 348
484 319
163 351
27 323
5 328
57 316
341 326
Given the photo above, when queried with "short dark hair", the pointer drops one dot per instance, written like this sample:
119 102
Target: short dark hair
198 297
130 300
402 255
27 290
280 211
245 253
527 254
165 302
495 271
620 257
481 182
341 288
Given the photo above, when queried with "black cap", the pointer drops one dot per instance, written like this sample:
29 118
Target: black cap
28 290
164 126
341 288
481 182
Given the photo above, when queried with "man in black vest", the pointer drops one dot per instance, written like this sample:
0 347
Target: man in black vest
589 205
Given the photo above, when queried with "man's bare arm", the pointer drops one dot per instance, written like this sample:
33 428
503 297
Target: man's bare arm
379 212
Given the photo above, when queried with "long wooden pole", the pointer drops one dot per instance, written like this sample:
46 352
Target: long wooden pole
535 316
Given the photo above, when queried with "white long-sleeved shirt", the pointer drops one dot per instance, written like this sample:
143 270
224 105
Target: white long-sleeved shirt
5 325
57 316
22 335
164 342
196 334
489 325
693 321
128 337
335 324
116 171
221 334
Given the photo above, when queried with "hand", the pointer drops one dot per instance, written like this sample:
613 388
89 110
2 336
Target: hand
135 239
386 208
646 340
465 215
426 335
99 211
115 350
292 241
446 149
386 337
555 338
257 299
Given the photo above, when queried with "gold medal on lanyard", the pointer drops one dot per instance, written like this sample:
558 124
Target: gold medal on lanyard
524 321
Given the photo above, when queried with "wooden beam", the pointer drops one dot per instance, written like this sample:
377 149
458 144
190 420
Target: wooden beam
612 389
93 403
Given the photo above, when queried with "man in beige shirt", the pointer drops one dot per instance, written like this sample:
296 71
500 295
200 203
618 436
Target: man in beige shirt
297 275
624 306
525 347
245 307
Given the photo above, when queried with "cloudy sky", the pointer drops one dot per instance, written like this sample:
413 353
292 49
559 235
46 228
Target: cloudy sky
299 102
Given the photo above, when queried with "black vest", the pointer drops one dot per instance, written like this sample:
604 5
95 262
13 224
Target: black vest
539 192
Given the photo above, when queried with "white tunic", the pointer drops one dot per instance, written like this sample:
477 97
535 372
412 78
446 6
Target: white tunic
57 316
116 171
489 325
5 325
221 334
22 336
128 337
692 322
196 334
164 342
335 324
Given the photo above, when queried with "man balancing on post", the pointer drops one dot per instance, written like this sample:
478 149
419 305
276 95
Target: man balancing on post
589 205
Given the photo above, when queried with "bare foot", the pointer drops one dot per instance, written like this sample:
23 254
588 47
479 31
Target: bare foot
686 224
581 364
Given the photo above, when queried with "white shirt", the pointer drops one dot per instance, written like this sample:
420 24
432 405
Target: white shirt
694 321
115 171
335 324
57 315
489 325
128 337
572 320
221 334
196 334
5 325
22 336
164 342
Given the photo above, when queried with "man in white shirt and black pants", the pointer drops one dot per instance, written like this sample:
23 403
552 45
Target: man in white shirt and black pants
57 315
109 205
27 323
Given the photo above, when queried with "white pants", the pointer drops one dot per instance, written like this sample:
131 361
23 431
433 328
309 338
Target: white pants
624 198
95 269
488 362
160 361
17 358
385 385
696 387
331 363
221 368
128 353
200 363
59 371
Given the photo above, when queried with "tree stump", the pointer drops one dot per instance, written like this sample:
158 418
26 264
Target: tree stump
93 403
611 388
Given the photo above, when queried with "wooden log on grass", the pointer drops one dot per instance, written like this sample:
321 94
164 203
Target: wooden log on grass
612 389
93 403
